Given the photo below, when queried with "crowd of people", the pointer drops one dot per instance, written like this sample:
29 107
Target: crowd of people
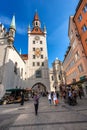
70 95
53 96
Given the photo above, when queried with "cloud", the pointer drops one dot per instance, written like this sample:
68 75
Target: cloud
20 28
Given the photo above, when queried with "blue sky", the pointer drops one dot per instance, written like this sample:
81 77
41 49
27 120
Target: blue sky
53 13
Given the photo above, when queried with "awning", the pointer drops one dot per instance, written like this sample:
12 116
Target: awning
78 82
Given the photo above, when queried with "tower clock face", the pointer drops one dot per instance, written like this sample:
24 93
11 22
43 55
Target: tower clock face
37 38
37 52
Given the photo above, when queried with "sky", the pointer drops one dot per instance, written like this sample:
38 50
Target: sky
53 13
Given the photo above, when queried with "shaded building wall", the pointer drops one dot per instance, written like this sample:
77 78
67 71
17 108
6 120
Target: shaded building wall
75 62
12 67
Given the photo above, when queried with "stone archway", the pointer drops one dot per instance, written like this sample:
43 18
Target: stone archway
40 88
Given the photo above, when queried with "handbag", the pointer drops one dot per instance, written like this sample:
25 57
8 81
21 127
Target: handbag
56 102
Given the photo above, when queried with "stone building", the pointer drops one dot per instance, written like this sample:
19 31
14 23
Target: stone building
75 62
12 66
38 71
57 75
24 70
80 19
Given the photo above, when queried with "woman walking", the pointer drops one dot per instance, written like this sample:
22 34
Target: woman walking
36 103
55 98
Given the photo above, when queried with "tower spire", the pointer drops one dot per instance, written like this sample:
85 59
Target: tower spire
12 30
13 25
36 21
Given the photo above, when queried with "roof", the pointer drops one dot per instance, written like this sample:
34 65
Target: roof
80 2
36 18
79 5
24 56
13 23
37 30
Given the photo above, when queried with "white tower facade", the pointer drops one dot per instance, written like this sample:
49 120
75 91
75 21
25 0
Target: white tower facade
38 71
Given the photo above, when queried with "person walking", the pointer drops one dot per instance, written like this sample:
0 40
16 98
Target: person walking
49 98
80 93
54 98
22 98
36 103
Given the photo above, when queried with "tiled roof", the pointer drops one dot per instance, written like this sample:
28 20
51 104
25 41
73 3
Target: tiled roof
37 30
36 18
24 56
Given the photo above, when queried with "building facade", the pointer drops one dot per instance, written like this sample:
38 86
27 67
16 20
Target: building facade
80 19
56 74
38 71
12 66
24 70
75 61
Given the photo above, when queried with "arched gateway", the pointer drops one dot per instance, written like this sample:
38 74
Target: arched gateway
39 87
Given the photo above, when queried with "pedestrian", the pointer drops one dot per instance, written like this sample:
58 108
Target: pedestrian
54 98
22 98
70 97
36 103
49 98
80 93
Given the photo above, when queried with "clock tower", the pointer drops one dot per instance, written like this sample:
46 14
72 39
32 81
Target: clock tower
38 72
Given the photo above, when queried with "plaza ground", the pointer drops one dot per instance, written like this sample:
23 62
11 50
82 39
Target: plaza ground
50 117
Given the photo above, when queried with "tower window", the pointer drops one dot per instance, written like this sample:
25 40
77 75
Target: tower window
33 56
41 49
40 42
33 63
33 42
38 63
41 56
33 49
36 23
38 74
42 63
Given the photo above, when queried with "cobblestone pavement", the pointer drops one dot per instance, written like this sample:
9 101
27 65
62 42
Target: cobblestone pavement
50 117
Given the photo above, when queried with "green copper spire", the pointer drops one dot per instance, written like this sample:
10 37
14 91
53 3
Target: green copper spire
13 23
